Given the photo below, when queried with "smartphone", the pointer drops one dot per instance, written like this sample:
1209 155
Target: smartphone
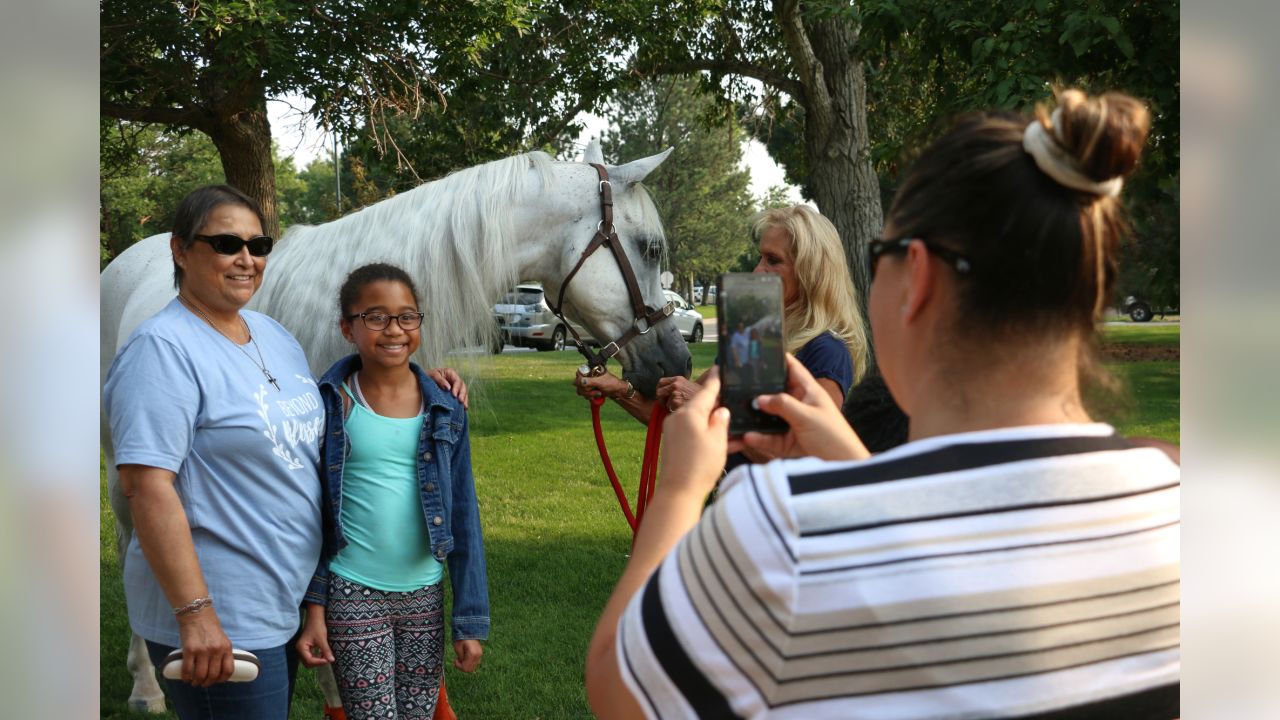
750 351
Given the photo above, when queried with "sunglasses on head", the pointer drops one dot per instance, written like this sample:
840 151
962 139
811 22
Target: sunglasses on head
232 244
876 248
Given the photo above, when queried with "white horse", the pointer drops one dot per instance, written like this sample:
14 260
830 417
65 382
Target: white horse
465 239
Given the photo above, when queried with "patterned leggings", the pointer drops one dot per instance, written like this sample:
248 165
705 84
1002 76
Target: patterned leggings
389 648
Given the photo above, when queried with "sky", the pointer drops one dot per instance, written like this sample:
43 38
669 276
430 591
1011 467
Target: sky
304 141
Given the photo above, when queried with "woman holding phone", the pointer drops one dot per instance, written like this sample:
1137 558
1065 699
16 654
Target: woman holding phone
1014 559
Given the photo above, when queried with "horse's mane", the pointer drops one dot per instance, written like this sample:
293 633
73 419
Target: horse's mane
454 237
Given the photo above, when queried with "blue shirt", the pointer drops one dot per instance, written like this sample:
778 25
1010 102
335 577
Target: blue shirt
182 397
825 356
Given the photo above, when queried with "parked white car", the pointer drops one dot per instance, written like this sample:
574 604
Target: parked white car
688 321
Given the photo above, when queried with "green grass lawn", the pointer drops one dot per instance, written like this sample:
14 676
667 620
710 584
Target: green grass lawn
1143 334
1171 317
706 311
555 539
1150 404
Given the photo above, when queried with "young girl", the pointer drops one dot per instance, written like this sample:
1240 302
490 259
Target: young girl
399 501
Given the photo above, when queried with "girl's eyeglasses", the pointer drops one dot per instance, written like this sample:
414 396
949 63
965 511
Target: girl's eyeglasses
380 320
876 248
232 244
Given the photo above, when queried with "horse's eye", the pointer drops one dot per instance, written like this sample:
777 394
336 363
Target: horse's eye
651 249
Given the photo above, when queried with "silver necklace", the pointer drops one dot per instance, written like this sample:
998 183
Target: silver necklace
260 363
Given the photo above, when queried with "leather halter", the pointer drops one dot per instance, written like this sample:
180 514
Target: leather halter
645 317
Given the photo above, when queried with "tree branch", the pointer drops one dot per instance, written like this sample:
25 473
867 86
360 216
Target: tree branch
184 117
553 127
768 76
817 100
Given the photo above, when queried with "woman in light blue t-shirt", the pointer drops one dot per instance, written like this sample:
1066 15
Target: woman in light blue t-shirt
215 422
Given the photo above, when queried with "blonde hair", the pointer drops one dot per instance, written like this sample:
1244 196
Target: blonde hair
826 301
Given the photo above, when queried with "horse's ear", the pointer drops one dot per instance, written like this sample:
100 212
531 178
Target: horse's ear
593 153
637 170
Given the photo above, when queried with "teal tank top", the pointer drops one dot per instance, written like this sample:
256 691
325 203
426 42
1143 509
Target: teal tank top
388 547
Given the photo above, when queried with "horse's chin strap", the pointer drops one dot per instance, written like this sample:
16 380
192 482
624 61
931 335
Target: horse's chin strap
645 318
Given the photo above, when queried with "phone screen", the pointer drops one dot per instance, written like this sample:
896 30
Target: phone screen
750 353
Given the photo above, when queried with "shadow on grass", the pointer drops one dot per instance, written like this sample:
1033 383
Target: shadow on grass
1149 403
535 405
546 594
533 394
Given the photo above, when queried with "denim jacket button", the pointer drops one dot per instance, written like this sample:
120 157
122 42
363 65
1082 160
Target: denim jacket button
431 486
426 455
438 520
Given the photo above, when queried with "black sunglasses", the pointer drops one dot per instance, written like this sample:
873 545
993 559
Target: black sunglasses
876 248
233 244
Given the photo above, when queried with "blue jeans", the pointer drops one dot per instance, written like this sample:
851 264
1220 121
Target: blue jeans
266 698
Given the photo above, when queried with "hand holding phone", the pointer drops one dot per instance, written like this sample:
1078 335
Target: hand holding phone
817 427
750 352
693 444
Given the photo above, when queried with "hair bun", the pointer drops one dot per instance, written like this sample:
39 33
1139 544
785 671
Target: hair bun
1104 134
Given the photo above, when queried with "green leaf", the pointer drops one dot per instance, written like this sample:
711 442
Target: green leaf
982 48
1003 89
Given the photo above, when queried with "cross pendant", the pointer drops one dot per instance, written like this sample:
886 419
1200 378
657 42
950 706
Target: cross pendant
272 380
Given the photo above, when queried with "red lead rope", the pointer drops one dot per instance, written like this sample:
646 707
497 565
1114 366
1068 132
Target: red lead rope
648 467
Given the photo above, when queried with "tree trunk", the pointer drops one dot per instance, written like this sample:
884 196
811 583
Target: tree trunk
841 176
244 145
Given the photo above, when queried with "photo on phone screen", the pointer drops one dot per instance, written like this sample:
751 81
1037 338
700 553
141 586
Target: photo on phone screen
751 354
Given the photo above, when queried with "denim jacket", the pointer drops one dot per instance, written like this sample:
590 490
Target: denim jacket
447 490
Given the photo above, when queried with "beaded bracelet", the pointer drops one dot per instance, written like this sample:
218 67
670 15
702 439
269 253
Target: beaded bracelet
194 606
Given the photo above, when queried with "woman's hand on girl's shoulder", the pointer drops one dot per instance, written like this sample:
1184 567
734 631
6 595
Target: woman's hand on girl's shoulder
451 382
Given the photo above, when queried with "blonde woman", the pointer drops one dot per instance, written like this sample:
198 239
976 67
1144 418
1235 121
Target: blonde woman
823 321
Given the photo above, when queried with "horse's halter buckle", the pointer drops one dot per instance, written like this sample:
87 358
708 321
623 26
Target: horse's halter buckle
645 317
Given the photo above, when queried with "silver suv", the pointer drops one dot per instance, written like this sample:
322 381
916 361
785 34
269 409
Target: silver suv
525 320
